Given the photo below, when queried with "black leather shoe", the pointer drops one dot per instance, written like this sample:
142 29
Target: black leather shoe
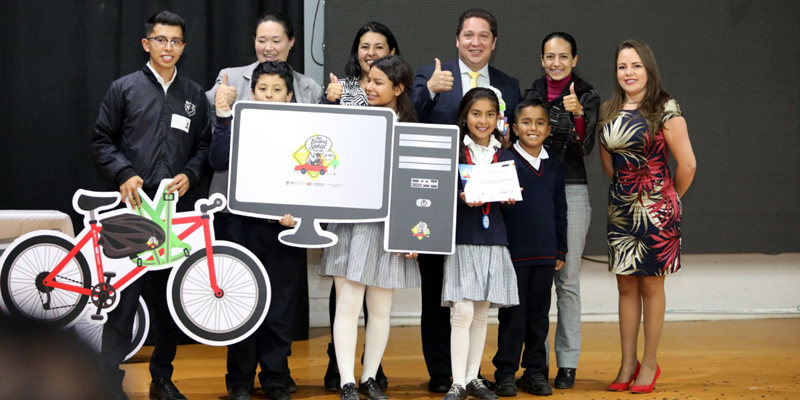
381 378
456 392
439 384
277 393
238 393
535 384
489 384
506 387
565 379
348 392
476 389
372 390
291 385
164 389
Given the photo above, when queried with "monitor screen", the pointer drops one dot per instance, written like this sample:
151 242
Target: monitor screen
317 162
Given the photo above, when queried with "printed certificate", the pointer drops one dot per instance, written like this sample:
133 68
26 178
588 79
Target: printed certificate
490 182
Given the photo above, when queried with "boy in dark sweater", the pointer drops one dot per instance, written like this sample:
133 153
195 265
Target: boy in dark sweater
537 240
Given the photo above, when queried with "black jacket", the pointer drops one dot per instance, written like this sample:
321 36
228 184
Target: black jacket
133 134
563 141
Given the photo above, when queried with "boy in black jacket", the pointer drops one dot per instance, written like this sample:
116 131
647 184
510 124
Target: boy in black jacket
152 125
537 240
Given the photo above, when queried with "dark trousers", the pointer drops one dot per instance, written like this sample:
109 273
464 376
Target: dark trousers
271 345
435 319
118 329
527 324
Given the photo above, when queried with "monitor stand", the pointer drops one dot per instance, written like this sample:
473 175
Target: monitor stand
309 235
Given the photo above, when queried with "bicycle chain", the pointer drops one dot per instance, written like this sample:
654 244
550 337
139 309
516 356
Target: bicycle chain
64 279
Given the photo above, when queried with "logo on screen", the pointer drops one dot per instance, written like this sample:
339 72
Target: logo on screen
421 231
316 157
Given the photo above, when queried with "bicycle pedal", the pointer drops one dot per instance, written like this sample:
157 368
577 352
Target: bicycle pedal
96 317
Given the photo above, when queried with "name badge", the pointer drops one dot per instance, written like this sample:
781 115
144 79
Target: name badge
180 122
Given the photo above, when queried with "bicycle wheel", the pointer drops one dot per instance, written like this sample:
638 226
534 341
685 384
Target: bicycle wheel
21 281
227 319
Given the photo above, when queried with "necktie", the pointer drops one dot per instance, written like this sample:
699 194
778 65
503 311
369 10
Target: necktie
473 79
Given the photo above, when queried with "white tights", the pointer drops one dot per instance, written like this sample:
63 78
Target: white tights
467 338
349 297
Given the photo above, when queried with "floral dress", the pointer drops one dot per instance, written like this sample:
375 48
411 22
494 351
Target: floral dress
644 211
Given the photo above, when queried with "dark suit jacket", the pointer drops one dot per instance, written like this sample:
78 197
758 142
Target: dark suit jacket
443 109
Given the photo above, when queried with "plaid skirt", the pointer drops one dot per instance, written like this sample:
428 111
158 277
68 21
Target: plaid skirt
480 273
359 257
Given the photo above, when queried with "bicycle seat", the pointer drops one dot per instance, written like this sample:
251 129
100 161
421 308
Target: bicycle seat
88 203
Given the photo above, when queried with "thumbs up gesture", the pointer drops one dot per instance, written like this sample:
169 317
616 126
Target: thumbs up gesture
225 95
441 81
571 102
334 91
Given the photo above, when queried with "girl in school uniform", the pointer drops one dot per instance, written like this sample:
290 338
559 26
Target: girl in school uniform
479 275
359 265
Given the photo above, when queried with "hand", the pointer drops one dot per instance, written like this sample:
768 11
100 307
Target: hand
559 265
473 204
441 81
571 102
512 200
225 95
288 220
334 91
130 191
411 256
180 183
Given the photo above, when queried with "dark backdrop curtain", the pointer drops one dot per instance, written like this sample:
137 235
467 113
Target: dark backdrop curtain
58 58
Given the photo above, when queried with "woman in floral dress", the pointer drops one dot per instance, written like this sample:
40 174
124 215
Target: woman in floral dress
641 125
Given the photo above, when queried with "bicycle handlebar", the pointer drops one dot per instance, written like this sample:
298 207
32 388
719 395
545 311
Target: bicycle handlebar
205 208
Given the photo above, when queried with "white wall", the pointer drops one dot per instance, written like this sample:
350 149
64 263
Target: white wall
710 286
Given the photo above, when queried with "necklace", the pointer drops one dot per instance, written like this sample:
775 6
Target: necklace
632 102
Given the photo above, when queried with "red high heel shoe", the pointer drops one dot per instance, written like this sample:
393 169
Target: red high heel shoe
647 388
621 387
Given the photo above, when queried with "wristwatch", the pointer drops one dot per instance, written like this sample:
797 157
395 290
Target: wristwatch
580 114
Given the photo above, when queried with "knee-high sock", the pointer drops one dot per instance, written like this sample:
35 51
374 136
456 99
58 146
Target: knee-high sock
349 296
459 336
477 338
379 303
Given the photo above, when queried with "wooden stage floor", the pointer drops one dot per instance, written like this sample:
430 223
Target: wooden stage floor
714 360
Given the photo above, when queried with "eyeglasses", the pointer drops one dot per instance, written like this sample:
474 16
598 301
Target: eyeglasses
161 41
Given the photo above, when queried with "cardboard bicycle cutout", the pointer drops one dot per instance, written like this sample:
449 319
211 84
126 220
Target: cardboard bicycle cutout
218 291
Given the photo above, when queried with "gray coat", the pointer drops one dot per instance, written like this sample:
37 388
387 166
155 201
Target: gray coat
306 90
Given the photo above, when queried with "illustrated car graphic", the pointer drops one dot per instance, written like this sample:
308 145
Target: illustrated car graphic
303 168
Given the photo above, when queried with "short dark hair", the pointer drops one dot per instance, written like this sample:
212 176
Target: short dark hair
353 67
533 102
478 13
164 18
279 68
562 35
278 17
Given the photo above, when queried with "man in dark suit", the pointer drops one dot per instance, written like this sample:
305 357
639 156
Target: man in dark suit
436 94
